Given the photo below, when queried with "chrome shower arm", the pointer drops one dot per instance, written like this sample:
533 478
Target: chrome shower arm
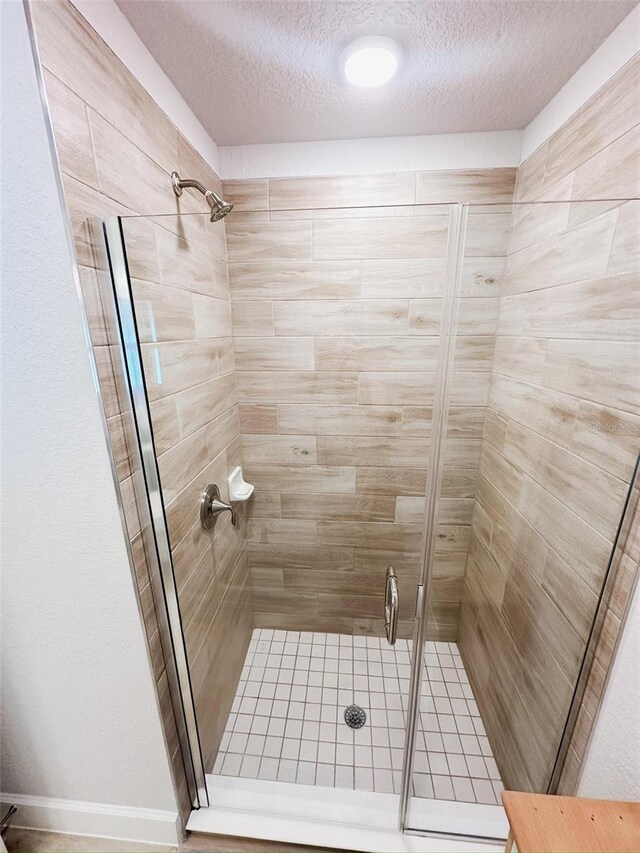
219 207
179 184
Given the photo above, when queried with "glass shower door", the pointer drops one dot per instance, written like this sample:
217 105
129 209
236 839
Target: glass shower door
336 323
170 293
556 456
443 716
420 385
325 397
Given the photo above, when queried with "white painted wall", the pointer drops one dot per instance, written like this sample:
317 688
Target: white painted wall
611 769
365 156
608 59
112 26
79 720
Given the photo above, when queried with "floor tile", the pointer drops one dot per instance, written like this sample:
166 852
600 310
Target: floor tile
287 718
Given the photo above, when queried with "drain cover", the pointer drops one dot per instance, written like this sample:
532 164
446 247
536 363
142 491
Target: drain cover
355 717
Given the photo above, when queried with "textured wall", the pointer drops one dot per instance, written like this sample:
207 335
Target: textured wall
336 319
116 150
561 434
79 720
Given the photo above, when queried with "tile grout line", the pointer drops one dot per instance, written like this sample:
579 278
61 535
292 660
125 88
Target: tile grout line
443 666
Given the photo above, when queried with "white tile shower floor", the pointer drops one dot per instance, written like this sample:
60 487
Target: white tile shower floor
287 719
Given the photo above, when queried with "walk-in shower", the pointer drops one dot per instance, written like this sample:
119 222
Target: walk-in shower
409 406
429 380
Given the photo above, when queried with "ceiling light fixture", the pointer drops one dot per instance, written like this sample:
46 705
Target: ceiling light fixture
371 61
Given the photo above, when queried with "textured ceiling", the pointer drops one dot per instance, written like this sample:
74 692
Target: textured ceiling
267 70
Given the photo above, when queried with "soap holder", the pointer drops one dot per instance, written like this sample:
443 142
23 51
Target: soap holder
238 489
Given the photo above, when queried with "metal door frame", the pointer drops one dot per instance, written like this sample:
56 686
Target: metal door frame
458 215
110 232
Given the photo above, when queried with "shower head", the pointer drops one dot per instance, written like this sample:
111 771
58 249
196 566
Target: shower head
219 207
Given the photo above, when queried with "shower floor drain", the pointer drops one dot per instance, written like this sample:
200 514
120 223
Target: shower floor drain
355 717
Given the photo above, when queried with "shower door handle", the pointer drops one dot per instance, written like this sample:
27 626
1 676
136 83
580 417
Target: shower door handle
391 606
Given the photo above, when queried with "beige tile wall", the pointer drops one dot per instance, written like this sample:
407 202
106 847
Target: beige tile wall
561 436
336 316
116 150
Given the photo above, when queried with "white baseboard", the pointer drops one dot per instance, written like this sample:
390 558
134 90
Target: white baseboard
80 818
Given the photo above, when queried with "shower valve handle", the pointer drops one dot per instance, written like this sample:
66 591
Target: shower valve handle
211 506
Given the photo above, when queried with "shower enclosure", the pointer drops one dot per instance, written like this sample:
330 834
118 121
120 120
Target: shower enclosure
449 390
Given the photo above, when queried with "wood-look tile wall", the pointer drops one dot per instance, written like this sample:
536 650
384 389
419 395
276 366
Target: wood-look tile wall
562 434
336 317
117 149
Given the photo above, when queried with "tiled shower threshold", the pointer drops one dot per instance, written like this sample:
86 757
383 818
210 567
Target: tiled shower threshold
290 768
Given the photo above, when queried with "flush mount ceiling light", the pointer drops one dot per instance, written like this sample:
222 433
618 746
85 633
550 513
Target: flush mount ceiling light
371 61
